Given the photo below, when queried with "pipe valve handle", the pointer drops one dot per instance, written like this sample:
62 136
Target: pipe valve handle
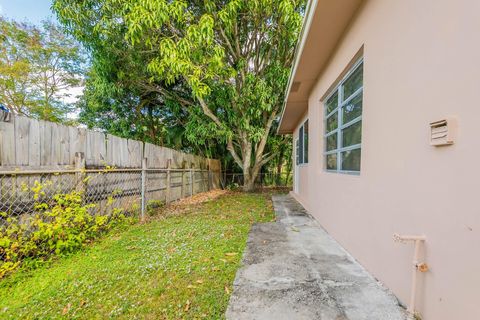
422 267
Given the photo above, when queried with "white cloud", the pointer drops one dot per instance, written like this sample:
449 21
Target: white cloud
1 9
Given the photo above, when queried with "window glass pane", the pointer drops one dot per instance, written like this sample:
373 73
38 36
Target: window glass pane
353 83
351 160
332 122
300 138
305 142
332 103
352 134
332 142
332 161
353 109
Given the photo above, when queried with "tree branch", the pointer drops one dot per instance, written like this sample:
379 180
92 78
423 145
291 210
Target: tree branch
264 139
209 113
234 154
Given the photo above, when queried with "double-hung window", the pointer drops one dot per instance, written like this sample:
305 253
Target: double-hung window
343 123
302 144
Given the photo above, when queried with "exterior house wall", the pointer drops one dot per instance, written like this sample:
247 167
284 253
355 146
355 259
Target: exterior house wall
421 64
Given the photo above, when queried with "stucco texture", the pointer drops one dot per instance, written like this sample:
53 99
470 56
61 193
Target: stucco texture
421 64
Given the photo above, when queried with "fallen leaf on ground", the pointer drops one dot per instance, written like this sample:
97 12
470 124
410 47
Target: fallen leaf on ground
185 204
66 309
229 254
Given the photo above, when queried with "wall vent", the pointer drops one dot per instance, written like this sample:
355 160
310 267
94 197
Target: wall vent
442 132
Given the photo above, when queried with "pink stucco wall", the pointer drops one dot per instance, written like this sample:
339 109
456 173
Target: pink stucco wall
421 63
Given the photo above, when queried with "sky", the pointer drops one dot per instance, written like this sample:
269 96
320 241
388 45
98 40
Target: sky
31 10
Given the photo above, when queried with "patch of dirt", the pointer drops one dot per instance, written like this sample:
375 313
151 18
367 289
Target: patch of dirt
198 198
186 204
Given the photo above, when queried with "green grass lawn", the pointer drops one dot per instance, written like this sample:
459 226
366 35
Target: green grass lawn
179 267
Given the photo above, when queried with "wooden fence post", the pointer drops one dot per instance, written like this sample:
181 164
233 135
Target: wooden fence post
168 182
144 182
209 178
192 182
79 172
184 182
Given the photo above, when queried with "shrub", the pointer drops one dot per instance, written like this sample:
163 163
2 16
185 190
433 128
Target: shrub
57 226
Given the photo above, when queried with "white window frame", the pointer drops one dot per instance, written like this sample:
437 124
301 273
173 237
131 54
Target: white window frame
298 144
340 125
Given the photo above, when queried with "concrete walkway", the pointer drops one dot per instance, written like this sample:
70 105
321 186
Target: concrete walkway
294 270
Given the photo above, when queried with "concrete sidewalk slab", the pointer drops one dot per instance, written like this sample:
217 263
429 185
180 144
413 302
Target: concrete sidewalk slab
292 269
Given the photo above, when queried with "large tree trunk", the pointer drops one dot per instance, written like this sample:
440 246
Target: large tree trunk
250 168
248 181
250 175
251 165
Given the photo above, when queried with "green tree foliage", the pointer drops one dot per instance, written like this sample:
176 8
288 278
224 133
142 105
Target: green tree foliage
126 110
38 67
121 96
233 56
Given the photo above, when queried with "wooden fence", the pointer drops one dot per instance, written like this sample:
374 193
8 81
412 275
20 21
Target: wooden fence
29 144
33 150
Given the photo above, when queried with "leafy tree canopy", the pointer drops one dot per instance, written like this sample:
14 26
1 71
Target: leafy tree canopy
233 57
38 67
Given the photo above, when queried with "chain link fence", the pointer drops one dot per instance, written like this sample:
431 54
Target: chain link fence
51 212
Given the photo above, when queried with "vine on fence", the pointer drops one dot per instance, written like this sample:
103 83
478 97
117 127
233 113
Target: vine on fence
58 225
